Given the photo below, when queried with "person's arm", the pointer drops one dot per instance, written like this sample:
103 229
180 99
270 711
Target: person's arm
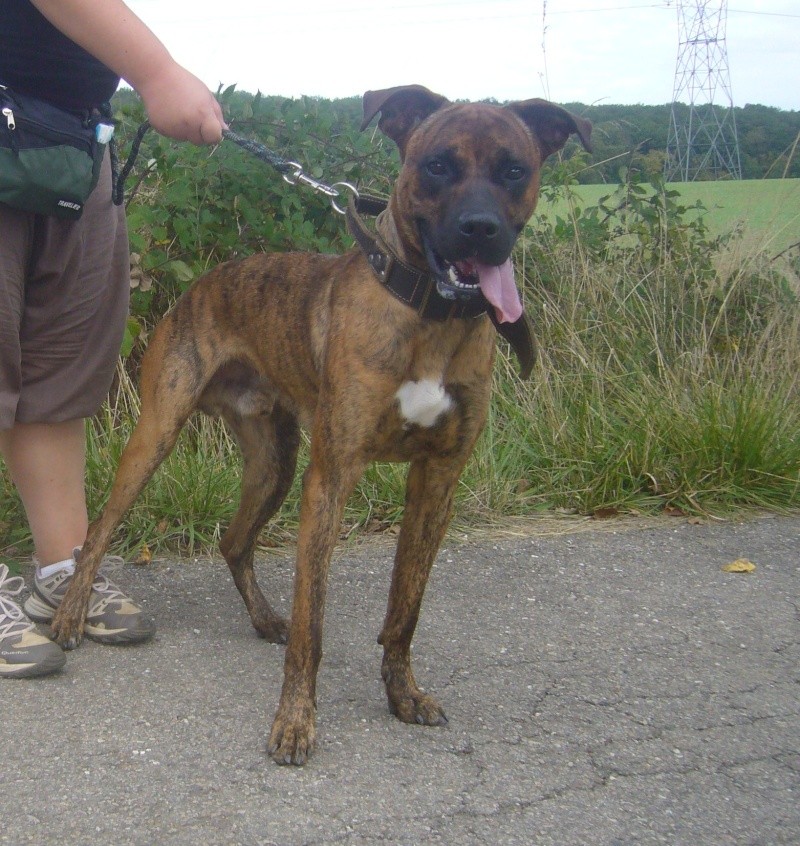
177 102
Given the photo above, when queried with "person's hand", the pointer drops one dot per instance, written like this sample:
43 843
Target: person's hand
177 102
179 105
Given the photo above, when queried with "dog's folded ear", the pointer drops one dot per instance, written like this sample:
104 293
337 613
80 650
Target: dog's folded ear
402 109
552 125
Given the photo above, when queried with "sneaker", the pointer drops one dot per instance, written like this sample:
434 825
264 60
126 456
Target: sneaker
24 653
112 617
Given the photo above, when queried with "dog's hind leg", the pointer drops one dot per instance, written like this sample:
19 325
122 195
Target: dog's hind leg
429 497
269 444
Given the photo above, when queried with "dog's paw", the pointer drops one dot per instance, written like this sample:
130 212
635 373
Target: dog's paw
275 629
418 708
406 701
292 738
65 630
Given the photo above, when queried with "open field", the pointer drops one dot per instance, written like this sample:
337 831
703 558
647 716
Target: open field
769 209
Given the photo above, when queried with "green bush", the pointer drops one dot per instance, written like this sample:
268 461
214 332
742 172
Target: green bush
192 207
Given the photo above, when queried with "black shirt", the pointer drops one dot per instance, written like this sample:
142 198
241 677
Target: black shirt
37 59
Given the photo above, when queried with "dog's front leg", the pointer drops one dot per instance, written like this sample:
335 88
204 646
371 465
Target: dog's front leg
326 486
66 627
429 497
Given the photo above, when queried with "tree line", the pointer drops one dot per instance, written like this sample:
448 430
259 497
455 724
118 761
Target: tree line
636 136
633 137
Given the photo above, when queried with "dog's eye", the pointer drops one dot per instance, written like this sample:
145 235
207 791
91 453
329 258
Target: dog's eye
436 167
513 173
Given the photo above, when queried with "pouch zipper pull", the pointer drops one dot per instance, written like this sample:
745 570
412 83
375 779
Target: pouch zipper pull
9 116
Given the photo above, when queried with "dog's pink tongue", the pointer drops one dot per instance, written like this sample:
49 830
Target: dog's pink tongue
497 285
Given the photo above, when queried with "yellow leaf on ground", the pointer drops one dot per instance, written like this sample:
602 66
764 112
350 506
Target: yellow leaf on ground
144 557
740 565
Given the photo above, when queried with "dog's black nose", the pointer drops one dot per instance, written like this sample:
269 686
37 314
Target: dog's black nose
479 226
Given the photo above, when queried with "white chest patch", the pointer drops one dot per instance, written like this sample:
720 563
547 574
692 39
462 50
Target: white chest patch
423 402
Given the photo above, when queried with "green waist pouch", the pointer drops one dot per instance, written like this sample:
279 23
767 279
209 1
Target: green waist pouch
49 158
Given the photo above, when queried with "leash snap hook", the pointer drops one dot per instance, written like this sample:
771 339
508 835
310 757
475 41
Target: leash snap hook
297 172
347 186
299 177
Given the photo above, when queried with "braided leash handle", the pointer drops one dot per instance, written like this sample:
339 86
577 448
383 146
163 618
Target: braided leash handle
292 171
260 151
118 190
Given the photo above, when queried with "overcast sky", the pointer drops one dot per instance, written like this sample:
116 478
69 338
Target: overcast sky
609 51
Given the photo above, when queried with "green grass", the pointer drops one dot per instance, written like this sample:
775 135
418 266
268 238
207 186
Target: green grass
766 210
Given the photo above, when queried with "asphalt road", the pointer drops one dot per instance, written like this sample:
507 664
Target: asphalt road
605 686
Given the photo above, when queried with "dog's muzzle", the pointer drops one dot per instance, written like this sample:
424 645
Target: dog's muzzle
473 261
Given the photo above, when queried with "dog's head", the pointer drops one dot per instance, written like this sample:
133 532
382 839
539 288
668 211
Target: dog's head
469 183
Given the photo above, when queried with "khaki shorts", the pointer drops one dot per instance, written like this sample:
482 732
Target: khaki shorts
64 289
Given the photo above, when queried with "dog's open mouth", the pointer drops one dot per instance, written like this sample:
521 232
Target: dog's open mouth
462 276
468 278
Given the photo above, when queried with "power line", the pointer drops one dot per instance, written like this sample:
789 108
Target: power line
764 14
607 9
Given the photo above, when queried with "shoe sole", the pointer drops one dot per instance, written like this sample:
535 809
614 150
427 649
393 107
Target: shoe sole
50 665
123 637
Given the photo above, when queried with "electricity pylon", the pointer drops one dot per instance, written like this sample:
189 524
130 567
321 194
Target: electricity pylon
702 141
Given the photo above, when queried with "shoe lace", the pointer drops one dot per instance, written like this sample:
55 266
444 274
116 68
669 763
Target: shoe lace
12 617
103 585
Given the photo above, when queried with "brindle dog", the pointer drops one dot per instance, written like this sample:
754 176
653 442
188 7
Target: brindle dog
374 372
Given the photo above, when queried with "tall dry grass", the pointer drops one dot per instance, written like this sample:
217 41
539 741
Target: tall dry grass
659 384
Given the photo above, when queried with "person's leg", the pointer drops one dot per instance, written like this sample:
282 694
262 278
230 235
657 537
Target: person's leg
24 652
66 285
47 465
